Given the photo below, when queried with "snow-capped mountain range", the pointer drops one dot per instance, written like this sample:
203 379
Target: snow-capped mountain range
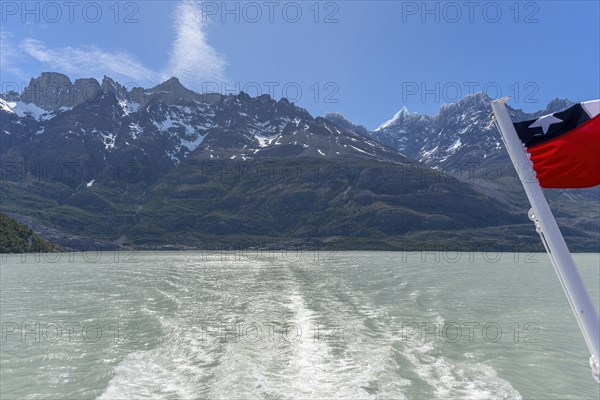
68 151
168 123
460 136
240 127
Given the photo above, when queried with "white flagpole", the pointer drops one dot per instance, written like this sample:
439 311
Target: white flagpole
546 226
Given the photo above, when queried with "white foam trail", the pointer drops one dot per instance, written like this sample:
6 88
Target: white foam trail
303 366
175 368
362 365
362 371
455 379
316 372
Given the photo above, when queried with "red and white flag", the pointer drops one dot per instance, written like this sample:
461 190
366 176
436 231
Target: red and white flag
565 146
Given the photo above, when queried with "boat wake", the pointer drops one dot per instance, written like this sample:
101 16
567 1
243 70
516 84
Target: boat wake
288 332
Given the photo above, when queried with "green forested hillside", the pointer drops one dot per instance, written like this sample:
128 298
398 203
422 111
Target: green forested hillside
18 238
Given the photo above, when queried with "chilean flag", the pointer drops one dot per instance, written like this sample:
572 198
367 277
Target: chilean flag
565 146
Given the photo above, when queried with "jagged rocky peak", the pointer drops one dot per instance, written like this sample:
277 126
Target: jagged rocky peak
170 92
478 101
478 97
475 102
265 98
556 105
435 139
11 95
109 85
402 114
262 110
243 101
174 90
170 85
51 78
335 116
342 122
53 91
402 118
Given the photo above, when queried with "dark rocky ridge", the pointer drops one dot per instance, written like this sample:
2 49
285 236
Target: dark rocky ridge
170 168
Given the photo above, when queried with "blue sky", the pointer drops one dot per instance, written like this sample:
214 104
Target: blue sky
363 59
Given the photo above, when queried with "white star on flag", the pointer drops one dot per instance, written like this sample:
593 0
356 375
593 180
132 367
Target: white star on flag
545 122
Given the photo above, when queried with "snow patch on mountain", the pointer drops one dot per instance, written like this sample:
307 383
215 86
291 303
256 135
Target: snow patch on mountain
5 106
192 145
108 138
454 147
136 130
400 115
169 122
264 141
461 134
28 110
129 107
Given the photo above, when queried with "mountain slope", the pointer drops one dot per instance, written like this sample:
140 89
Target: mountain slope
18 238
462 141
166 167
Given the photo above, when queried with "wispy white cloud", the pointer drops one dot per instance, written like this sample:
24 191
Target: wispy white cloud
192 59
9 55
89 60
